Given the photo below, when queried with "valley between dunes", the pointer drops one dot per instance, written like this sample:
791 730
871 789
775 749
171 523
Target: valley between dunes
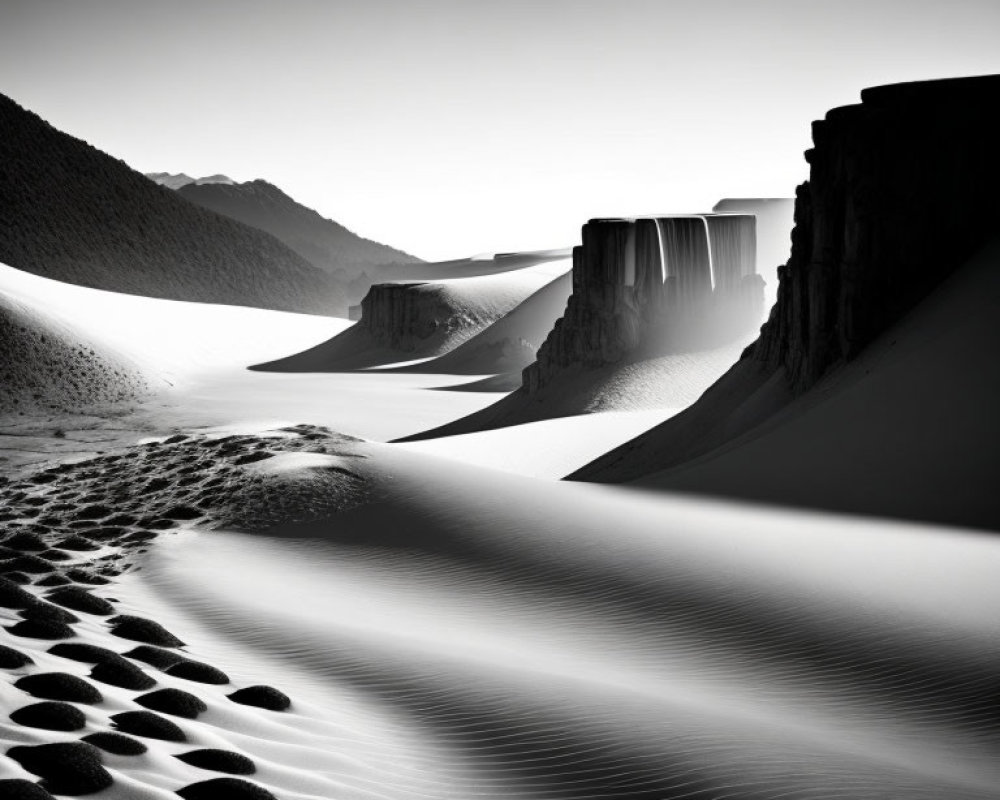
446 617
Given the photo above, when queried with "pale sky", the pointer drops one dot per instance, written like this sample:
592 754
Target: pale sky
450 128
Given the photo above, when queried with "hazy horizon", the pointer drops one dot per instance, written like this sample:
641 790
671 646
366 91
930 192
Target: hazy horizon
447 129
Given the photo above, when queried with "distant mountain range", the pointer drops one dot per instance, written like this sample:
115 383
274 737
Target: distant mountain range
324 243
76 214
177 180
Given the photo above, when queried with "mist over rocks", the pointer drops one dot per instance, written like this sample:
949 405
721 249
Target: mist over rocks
659 307
653 286
880 348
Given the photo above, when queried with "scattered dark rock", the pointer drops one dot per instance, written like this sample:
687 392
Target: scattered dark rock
117 743
96 511
104 533
179 437
78 543
20 789
83 576
14 576
149 725
219 761
138 536
183 513
85 653
55 579
55 555
46 611
250 458
122 673
72 768
26 542
42 629
197 671
120 519
155 656
50 716
13 659
173 701
139 629
59 686
225 789
262 697
33 565
13 596
80 599
157 523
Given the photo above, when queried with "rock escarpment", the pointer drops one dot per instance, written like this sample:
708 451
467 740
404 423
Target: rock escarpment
902 190
402 322
409 316
901 196
654 286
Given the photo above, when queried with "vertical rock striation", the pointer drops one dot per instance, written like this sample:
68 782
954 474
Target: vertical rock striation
902 190
652 286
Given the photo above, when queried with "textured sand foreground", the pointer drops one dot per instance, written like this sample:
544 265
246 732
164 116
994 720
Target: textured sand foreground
439 630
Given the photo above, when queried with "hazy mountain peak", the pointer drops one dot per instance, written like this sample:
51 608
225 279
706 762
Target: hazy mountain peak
179 179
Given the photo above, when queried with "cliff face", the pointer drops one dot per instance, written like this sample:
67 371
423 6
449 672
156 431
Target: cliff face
902 190
654 286
406 316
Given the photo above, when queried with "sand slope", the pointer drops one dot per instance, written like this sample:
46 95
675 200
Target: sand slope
442 315
49 360
668 382
908 429
510 343
566 640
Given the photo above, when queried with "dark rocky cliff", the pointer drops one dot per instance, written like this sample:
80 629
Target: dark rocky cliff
902 190
902 193
653 286
409 316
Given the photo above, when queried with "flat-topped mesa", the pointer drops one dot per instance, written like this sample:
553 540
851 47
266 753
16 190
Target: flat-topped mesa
902 190
654 285
397 314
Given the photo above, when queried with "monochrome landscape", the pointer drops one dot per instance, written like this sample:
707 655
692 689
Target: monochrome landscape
686 502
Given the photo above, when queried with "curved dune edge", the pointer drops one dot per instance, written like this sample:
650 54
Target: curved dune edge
149 712
447 631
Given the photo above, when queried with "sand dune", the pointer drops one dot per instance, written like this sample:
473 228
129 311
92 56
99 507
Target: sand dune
536 654
47 361
906 430
666 382
170 340
405 322
510 343
449 631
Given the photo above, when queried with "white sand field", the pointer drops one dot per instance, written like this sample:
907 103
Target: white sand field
446 619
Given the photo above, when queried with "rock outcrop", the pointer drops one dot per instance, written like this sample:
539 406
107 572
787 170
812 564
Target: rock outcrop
407 316
902 194
654 286
902 190
416 320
